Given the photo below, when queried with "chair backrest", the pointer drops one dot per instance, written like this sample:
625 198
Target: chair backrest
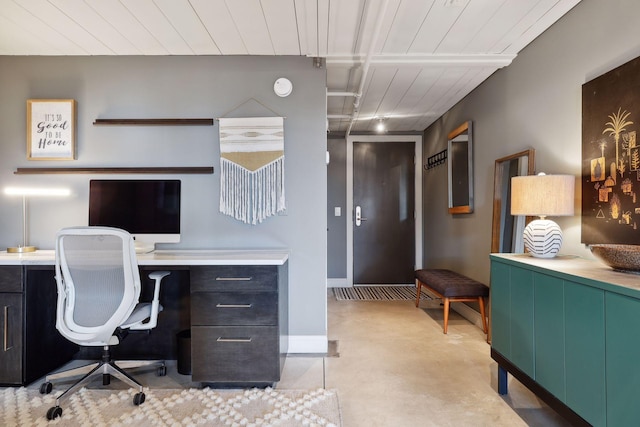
98 282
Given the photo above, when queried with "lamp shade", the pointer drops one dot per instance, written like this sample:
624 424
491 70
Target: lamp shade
542 195
26 192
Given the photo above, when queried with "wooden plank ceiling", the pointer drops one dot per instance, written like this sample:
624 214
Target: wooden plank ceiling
406 61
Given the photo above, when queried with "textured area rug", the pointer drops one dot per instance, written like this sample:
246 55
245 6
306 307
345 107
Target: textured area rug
208 407
378 293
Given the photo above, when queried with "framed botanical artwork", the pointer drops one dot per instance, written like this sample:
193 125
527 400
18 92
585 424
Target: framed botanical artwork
51 129
611 156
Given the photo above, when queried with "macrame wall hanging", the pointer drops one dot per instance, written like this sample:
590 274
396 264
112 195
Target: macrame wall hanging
252 167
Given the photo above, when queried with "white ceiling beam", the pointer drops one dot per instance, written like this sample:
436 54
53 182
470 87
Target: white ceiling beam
217 19
280 16
22 25
89 19
306 22
156 23
189 25
558 9
437 24
468 60
368 58
468 25
344 25
250 21
63 24
126 24
29 43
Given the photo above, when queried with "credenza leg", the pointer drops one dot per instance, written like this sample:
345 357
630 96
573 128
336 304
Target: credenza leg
502 380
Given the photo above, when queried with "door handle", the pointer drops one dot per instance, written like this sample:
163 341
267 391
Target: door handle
359 217
5 330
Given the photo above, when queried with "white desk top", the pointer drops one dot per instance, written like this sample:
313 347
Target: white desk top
169 257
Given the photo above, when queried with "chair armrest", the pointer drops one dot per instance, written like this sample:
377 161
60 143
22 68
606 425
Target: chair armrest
157 276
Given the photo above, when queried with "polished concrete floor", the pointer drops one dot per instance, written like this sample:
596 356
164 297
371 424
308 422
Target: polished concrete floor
397 368
392 366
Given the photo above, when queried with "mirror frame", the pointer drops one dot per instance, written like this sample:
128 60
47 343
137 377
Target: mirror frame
460 169
497 192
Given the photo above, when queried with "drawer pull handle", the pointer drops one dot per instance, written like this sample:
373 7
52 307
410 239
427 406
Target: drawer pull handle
220 339
5 332
234 305
233 279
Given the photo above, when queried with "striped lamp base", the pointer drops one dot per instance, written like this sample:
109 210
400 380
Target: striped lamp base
542 238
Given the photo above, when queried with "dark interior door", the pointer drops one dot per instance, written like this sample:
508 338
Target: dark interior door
383 198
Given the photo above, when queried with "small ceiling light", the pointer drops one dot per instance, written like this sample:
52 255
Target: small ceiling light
380 126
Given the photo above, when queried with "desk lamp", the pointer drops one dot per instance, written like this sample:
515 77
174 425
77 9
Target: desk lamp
542 195
30 192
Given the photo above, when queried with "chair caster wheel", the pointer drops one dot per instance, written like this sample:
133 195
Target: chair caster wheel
46 388
54 412
138 399
162 371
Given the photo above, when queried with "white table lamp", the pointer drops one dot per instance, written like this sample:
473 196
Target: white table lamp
542 195
25 193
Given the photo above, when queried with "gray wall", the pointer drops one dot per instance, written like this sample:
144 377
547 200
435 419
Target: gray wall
534 103
337 197
156 87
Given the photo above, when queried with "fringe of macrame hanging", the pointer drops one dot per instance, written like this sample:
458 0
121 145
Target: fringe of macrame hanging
252 196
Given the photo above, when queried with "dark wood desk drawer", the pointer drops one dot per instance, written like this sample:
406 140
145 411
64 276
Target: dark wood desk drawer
234 278
11 278
234 308
235 354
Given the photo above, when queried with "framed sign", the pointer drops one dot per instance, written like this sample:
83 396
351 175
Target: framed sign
51 129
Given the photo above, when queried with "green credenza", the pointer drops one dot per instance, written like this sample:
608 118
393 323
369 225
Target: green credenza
569 329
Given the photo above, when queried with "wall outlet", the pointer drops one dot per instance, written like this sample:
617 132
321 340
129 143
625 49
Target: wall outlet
337 211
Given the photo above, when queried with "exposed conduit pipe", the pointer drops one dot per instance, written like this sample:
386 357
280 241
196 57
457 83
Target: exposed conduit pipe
341 94
367 62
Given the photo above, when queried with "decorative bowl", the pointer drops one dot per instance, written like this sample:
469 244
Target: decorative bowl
618 257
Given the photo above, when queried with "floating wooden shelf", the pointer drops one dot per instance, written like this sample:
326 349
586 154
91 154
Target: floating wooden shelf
155 122
158 170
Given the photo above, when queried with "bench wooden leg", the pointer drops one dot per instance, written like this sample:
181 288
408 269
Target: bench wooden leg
484 319
446 314
418 287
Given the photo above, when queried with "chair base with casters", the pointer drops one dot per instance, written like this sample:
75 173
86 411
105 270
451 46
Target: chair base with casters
105 367
98 304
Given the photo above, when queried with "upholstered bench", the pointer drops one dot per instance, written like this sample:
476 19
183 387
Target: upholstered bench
452 287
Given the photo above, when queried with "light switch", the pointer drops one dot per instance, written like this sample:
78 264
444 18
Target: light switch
337 211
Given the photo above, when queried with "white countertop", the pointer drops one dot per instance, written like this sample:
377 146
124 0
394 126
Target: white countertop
570 266
169 257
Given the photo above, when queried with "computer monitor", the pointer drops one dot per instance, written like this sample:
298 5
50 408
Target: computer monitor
148 209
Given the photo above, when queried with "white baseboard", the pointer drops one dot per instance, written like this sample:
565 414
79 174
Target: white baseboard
318 344
301 344
462 309
337 283
468 313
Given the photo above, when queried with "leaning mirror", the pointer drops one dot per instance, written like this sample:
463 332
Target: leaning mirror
460 169
507 229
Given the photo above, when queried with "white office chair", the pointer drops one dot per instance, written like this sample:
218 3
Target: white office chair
98 290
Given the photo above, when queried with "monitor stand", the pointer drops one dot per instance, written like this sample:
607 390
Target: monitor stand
144 247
